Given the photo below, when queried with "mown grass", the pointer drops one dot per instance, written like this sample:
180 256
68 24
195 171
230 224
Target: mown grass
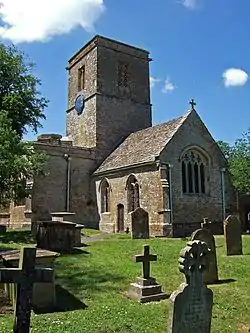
99 275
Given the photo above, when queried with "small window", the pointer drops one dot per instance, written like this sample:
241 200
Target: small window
133 194
81 78
105 196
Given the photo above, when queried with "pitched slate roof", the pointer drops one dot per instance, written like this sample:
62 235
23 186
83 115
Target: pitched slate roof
142 146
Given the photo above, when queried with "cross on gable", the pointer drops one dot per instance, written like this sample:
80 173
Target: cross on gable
25 276
192 103
145 258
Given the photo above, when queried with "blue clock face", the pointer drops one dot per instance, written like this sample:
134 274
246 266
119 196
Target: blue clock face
79 104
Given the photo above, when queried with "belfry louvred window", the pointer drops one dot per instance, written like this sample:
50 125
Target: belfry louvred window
194 167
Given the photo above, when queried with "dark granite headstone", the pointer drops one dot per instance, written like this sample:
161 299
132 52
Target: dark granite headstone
139 223
232 233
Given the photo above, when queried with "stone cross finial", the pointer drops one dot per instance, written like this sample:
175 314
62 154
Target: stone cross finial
194 259
192 103
145 258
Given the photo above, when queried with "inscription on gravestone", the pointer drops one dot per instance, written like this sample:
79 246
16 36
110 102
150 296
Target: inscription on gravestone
191 304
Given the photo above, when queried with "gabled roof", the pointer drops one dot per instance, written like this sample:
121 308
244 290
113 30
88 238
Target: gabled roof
142 146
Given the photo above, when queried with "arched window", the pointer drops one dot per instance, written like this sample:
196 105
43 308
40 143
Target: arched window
133 193
105 196
193 168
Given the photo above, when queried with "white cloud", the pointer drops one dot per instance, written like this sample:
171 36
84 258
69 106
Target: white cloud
168 86
190 4
153 81
40 20
234 77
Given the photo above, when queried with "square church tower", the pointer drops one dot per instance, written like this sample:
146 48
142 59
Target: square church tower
108 94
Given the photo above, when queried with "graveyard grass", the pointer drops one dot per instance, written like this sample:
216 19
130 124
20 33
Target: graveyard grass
96 277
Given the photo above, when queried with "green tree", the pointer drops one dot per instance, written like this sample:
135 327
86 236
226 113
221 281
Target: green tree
238 157
21 109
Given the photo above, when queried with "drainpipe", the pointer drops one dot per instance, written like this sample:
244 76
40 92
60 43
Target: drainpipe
223 170
170 166
67 203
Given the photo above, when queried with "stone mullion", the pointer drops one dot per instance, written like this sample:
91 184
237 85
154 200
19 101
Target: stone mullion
199 177
187 177
193 176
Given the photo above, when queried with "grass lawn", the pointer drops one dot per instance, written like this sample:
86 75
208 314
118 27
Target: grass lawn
98 276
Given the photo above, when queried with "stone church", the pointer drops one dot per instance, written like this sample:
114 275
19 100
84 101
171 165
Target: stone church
113 160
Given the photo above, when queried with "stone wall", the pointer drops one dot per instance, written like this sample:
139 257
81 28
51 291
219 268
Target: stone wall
150 198
192 208
49 193
111 111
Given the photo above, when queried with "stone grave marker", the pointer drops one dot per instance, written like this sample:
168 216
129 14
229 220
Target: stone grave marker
146 289
25 276
232 233
191 304
210 274
139 223
44 294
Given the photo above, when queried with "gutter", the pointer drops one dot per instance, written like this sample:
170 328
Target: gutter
67 202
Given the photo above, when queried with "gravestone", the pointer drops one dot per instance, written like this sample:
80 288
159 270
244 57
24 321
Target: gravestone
25 276
232 233
44 294
191 304
210 274
139 223
146 289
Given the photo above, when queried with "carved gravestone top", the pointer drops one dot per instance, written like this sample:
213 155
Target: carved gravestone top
191 304
139 223
210 274
232 233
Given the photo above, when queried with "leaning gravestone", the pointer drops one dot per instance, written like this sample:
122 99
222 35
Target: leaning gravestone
139 223
191 304
232 233
210 274
25 276
146 289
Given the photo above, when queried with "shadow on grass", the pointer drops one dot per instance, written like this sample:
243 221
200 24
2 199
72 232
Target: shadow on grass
20 236
65 301
224 281
76 278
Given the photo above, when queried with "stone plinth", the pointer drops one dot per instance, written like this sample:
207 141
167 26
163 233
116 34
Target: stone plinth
78 235
43 293
146 290
62 216
56 235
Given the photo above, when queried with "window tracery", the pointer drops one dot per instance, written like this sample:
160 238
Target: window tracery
193 169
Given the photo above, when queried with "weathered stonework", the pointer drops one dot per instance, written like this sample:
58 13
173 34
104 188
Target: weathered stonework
113 138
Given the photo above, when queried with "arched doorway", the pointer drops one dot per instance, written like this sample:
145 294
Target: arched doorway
120 218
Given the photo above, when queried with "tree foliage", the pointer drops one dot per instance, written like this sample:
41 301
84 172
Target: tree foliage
21 109
238 157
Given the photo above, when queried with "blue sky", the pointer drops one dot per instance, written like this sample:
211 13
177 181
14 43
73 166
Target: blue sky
200 50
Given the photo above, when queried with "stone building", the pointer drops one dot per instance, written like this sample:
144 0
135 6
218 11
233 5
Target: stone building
113 160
